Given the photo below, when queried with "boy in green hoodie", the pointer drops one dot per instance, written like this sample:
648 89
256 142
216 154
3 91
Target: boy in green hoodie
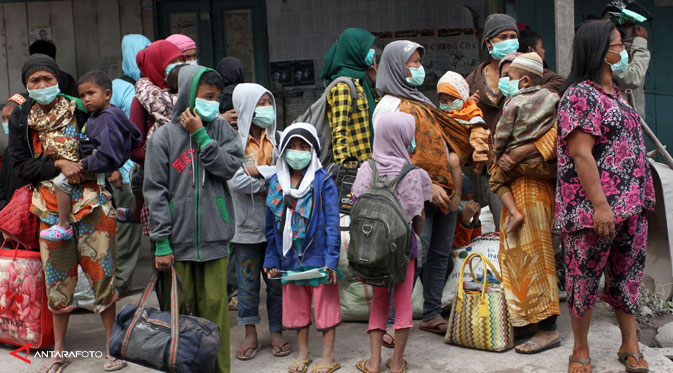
187 165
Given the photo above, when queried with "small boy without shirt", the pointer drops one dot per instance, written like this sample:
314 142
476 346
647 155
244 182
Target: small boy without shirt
106 142
187 165
528 114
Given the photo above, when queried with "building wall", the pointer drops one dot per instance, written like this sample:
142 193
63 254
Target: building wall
87 35
306 29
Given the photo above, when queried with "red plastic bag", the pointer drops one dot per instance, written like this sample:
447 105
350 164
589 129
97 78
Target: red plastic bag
24 314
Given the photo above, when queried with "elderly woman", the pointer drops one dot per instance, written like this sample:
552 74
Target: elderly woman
46 127
603 193
500 38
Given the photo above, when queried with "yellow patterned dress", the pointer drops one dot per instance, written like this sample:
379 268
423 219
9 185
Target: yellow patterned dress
526 255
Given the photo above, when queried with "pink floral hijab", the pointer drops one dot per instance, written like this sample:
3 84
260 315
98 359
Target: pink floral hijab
391 141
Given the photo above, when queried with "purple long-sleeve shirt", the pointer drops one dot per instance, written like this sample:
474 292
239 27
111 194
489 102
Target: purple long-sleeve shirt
108 140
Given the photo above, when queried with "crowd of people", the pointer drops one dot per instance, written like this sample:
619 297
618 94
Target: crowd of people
196 158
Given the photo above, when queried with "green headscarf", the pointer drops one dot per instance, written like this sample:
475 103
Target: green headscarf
347 58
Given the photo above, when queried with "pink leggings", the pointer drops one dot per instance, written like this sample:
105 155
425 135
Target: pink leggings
378 315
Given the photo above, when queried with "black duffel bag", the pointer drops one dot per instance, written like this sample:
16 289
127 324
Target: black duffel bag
165 341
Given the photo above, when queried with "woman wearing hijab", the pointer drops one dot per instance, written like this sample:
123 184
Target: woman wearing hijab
151 108
187 46
231 70
399 75
123 93
123 89
391 154
500 38
351 56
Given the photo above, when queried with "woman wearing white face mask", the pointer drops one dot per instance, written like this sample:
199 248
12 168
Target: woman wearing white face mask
399 75
604 192
44 141
500 38
256 109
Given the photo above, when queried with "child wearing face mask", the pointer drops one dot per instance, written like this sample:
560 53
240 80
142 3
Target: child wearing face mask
188 163
455 100
302 218
257 132
529 112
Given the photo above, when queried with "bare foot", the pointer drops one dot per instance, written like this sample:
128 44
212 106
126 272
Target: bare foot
515 221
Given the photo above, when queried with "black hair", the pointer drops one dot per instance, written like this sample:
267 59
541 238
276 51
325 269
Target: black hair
97 77
43 47
172 78
211 77
527 39
590 46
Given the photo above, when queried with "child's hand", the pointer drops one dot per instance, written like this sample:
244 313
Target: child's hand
191 122
475 97
164 262
455 201
253 172
231 117
115 180
271 273
332 275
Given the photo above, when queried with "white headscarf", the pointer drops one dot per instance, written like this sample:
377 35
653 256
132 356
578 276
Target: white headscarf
307 133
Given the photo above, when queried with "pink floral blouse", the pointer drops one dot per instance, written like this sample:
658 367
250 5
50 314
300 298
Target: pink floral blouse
619 151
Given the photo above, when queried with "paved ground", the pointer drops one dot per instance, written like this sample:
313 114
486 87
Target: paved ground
425 352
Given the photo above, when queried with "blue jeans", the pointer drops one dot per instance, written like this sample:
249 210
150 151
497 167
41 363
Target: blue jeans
437 242
249 262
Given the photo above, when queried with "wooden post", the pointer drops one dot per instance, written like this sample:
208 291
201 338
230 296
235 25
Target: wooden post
564 14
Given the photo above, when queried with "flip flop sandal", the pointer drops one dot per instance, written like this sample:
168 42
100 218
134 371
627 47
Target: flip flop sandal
536 348
584 362
300 363
56 233
52 368
362 367
388 344
435 328
404 367
624 359
113 364
280 352
245 350
330 368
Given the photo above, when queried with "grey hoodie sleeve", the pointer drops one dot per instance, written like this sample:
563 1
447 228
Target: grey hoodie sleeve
223 156
155 188
242 183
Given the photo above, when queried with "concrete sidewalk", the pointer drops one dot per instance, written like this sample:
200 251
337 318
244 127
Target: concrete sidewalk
425 352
